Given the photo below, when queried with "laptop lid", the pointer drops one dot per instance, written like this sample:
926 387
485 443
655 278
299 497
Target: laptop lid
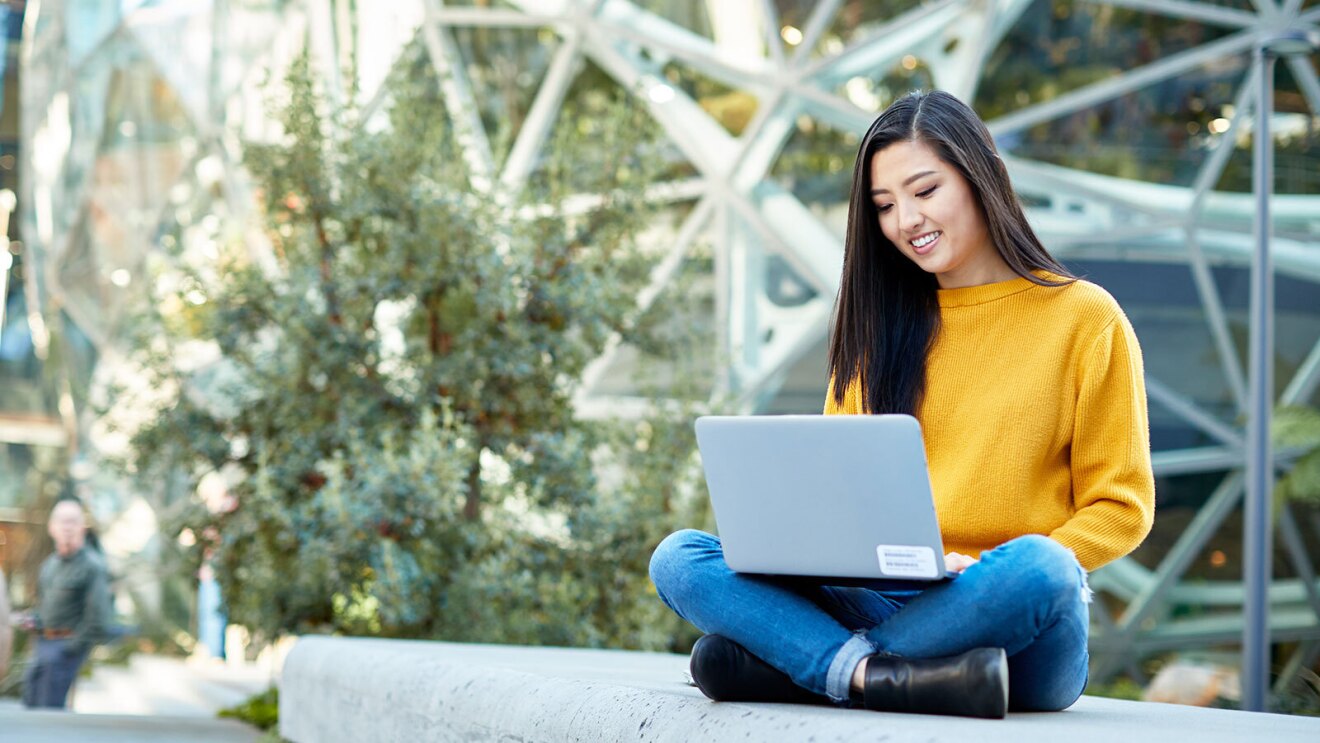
839 496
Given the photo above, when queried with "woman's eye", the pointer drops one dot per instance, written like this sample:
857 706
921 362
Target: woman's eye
927 192
882 208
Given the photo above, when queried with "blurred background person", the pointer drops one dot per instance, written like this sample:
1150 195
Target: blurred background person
72 607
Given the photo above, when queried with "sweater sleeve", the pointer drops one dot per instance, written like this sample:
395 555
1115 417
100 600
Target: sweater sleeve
852 400
1113 487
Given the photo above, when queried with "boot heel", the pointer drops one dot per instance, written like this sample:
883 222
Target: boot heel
974 684
727 672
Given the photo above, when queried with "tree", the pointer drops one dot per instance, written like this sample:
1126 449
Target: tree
394 402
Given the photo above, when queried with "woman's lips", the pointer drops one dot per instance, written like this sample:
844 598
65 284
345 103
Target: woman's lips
924 249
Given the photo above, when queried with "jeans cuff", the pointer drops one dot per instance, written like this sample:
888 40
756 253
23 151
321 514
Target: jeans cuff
838 679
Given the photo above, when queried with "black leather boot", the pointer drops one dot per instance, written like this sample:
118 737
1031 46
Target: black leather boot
726 672
974 684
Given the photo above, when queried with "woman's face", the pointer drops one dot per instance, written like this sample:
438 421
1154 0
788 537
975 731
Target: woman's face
927 209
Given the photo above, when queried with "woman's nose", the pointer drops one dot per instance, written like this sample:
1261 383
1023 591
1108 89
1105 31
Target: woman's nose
909 217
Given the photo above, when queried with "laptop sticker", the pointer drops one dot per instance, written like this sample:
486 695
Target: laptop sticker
901 561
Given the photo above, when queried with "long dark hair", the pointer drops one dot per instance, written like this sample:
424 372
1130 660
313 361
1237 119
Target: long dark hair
887 313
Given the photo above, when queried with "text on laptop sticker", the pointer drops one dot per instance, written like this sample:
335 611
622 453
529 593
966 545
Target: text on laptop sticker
900 561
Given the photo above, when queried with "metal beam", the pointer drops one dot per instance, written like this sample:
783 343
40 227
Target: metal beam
1175 563
1295 547
706 144
1216 321
1126 82
1192 11
456 92
885 44
541 116
626 21
770 28
1304 380
1305 75
1213 168
1179 557
1192 461
1183 407
661 274
817 24
495 18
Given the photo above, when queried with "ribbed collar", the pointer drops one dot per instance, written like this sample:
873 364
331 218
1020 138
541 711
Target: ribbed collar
970 295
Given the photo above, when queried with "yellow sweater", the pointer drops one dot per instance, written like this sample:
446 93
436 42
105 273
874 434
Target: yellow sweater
1034 420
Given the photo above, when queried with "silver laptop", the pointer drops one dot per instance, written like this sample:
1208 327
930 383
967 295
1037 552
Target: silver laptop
841 497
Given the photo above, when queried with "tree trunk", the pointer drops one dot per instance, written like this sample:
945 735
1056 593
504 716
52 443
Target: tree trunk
472 506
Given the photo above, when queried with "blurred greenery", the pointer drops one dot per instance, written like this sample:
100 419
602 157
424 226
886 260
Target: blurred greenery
1120 687
260 710
392 402
1299 426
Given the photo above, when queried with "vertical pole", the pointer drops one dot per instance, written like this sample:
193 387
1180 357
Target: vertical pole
1260 470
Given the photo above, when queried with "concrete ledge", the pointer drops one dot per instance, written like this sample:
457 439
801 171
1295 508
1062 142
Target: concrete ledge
391 690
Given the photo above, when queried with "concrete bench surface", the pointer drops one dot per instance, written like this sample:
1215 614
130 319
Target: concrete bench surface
393 690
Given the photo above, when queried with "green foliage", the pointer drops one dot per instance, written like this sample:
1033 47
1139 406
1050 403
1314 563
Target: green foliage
392 403
1121 687
1299 426
260 710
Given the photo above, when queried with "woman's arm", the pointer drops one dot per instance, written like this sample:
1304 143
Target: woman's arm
1113 485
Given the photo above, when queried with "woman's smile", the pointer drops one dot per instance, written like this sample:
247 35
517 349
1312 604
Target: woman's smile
925 243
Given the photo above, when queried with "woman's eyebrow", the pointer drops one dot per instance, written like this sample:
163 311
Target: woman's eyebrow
910 178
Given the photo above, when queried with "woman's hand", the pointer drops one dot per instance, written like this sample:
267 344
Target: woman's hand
956 562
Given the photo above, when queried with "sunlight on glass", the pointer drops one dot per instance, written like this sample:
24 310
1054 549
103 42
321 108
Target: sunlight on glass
660 93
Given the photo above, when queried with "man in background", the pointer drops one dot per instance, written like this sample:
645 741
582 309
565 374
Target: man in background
73 599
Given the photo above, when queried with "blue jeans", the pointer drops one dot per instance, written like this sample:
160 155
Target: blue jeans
1027 596
54 666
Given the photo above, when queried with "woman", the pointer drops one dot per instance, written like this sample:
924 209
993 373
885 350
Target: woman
1028 384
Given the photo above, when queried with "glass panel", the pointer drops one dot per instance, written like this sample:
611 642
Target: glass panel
22 390
143 146
1295 130
694 16
506 67
1235 4
677 353
382 32
803 392
793 18
179 45
89 22
856 19
1296 318
730 107
1178 498
589 99
83 277
1159 134
1060 45
816 164
247 41
875 94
